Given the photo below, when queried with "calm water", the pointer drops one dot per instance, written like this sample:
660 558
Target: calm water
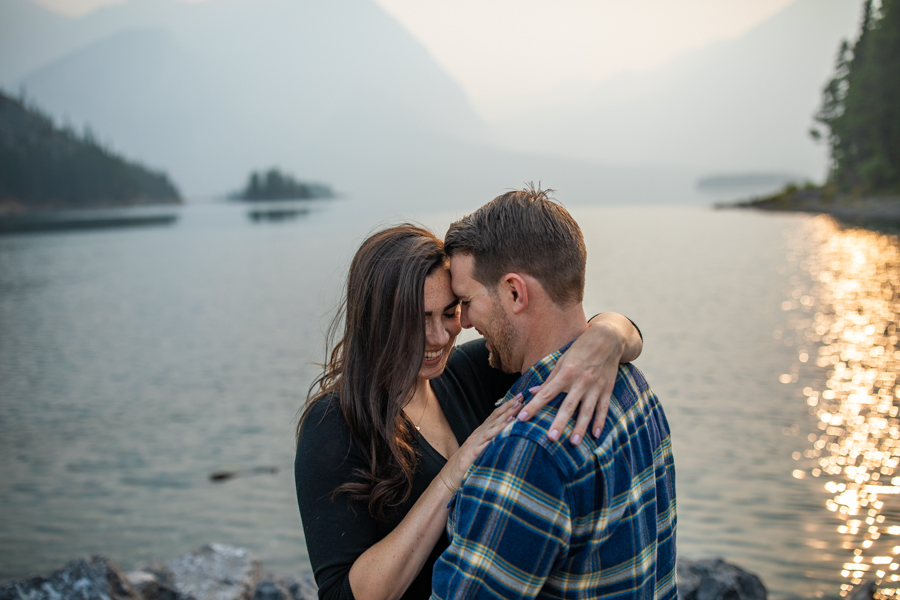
135 362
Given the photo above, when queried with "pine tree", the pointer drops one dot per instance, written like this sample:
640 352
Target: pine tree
861 105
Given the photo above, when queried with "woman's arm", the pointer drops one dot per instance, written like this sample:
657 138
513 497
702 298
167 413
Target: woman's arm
347 557
385 571
587 374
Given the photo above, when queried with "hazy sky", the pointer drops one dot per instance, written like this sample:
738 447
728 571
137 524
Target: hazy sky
500 50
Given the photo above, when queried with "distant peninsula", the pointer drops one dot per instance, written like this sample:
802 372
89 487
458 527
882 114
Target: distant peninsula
860 122
47 168
275 185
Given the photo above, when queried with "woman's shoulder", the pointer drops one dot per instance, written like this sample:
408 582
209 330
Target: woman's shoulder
323 417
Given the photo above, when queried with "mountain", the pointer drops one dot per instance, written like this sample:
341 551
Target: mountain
44 167
741 105
212 89
336 92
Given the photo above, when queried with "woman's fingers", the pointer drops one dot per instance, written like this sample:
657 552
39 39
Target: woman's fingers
559 380
580 398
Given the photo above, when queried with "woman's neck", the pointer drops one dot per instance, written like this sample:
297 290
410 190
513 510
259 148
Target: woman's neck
422 396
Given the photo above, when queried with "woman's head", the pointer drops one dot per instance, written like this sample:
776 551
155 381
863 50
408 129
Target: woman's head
397 324
388 328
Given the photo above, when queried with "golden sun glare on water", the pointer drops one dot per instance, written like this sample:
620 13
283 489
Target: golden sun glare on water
851 314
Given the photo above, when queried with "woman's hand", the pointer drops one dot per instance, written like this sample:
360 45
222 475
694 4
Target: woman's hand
453 472
587 374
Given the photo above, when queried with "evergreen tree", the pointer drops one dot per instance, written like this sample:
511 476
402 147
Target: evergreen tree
861 104
275 185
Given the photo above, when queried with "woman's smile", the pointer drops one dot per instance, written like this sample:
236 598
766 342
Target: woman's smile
433 358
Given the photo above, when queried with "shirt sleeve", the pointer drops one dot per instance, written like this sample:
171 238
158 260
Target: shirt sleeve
510 525
337 531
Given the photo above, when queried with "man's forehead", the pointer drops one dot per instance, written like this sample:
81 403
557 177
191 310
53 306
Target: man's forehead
461 269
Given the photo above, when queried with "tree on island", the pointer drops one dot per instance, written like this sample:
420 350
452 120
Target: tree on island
861 105
275 185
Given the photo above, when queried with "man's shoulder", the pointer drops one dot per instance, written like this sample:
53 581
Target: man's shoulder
567 458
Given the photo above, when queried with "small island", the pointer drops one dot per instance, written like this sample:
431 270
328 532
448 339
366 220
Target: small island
860 121
46 168
275 185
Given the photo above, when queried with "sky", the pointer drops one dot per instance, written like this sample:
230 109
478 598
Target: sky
499 50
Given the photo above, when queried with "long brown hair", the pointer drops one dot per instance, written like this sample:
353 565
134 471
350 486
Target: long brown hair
374 365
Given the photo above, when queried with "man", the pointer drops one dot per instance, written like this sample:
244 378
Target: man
536 517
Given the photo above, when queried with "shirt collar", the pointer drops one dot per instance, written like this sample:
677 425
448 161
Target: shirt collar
534 376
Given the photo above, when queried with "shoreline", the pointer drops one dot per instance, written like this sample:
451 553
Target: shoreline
880 213
219 572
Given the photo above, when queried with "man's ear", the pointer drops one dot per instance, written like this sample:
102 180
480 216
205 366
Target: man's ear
514 292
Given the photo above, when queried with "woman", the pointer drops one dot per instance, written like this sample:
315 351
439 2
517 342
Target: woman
396 421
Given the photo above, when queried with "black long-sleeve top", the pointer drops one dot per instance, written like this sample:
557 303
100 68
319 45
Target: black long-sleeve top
338 530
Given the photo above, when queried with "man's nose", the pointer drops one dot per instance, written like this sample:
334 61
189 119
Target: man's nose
464 317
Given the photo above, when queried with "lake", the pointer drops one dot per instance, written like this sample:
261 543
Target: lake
135 362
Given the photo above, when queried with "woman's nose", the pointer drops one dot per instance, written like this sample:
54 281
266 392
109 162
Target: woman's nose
436 335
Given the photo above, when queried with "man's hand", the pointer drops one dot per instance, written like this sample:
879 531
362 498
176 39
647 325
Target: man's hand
587 374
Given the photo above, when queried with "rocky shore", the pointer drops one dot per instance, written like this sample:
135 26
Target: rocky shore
213 572
217 572
879 212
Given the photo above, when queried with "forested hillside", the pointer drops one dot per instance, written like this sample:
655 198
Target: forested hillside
43 166
861 105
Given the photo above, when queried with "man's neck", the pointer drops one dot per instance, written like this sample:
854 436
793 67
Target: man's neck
552 332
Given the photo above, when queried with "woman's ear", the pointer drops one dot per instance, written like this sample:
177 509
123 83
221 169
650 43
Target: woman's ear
514 292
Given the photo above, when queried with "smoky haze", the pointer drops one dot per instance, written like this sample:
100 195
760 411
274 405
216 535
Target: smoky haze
340 93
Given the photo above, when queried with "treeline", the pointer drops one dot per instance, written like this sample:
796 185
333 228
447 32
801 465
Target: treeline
43 166
275 185
861 105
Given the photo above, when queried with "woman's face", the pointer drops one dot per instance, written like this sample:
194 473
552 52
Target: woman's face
441 323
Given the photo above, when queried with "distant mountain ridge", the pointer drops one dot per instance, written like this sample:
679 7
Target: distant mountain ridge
170 82
43 167
335 92
739 105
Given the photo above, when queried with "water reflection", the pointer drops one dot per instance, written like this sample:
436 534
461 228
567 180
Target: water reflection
276 214
851 315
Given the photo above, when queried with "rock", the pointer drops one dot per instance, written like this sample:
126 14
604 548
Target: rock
715 579
303 589
272 587
863 591
154 584
215 572
95 578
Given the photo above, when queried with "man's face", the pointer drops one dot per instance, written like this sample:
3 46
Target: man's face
482 310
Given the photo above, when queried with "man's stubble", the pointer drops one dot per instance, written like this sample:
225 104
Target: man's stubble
502 338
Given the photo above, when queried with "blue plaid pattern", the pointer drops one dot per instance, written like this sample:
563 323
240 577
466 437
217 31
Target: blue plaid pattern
538 518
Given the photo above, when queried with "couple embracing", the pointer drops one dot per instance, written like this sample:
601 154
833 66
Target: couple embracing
411 484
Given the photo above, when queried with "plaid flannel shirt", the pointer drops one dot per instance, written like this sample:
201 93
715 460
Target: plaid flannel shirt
538 518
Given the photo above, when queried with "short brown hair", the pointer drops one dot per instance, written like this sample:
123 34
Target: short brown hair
524 231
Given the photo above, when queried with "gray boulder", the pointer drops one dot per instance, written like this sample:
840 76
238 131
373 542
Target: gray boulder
715 579
94 578
272 587
864 591
215 572
154 583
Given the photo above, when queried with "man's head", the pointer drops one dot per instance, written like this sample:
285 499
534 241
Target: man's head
519 239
